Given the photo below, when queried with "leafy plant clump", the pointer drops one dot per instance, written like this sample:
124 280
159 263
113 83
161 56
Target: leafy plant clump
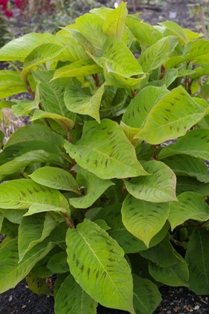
90 191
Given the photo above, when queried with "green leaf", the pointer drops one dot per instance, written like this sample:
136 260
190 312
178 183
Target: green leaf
11 84
71 298
33 230
80 100
146 295
195 143
170 270
145 33
19 48
174 114
23 107
57 264
159 187
115 21
191 184
104 274
65 123
190 205
141 105
154 56
130 244
28 158
78 68
13 215
35 132
121 69
144 219
93 188
12 272
173 28
37 285
55 178
52 92
105 151
90 26
40 208
196 50
185 165
40 55
197 257
1 220
22 193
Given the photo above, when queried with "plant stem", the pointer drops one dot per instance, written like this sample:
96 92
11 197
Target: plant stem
68 221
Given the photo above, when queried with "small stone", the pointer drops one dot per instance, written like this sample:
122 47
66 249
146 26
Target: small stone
196 307
10 298
172 15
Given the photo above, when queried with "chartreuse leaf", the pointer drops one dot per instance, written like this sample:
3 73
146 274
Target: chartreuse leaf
23 107
35 132
55 178
65 123
20 48
144 219
105 151
71 298
145 33
196 50
52 92
80 100
115 21
30 157
40 208
197 257
141 105
158 187
185 165
120 69
41 55
195 143
12 272
156 55
173 115
173 28
93 188
104 274
90 26
130 244
146 295
11 84
78 68
190 205
22 193
33 230
170 270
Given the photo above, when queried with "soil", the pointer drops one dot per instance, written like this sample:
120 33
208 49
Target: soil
21 300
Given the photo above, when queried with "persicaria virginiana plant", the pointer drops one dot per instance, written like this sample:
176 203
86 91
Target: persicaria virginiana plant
107 188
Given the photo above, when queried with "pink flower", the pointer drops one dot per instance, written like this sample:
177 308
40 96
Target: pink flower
8 13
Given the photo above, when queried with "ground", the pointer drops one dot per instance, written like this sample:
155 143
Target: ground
175 300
